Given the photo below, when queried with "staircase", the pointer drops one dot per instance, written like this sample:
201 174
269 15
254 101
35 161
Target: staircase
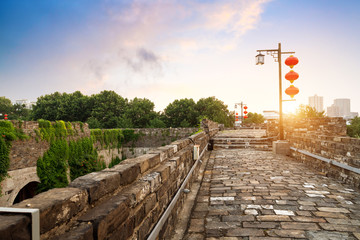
243 138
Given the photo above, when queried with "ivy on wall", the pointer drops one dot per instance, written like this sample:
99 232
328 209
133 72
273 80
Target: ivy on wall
8 133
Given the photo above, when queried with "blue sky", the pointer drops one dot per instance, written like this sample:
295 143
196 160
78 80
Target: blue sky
167 50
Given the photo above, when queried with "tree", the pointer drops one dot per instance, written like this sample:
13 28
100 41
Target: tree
108 108
254 118
5 105
141 112
20 112
305 111
353 130
62 106
181 113
215 110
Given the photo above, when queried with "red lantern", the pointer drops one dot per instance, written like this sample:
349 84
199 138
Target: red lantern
291 61
5 116
292 91
236 119
245 112
245 107
245 116
292 76
237 113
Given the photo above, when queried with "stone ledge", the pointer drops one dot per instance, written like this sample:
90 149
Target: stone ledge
84 231
56 206
15 227
129 172
97 184
108 216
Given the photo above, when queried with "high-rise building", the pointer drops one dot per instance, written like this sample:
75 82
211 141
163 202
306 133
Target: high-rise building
344 106
333 111
317 103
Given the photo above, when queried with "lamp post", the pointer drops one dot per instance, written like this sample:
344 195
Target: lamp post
260 60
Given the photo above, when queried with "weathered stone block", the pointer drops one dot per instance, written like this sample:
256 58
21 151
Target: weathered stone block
124 231
281 147
56 206
108 216
145 161
138 192
164 171
150 202
128 172
97 184
15 227
82 232
154 179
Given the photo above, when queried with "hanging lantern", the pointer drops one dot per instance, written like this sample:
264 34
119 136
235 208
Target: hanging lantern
5 116
260 59
291 76
245 116
292 91
237 113
291 61
245 107
245 112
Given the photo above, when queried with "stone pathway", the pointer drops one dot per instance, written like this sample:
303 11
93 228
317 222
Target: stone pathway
250 194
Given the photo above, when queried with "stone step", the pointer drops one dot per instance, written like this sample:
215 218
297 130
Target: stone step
242 146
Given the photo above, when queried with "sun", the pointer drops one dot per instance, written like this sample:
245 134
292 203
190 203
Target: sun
289 107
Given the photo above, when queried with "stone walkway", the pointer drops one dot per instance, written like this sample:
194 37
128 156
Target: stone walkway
249 194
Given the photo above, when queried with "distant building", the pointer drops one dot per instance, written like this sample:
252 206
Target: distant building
271 115
27 103
344 106
316 102
341 108
333 111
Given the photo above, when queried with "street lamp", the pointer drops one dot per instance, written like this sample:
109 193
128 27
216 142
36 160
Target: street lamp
276 54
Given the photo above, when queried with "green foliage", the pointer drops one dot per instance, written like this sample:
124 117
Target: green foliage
68 107
215 110
52 166
140 111
181 113
254 118
130 135
8 133
305 111
83 158
156 123
107 108
114 161
109 138
5 105
57 130
353 130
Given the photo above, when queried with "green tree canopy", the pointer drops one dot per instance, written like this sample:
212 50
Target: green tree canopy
181 113
353 130
140 111
305 111
215 110
108 108
62 106
5 105
254 118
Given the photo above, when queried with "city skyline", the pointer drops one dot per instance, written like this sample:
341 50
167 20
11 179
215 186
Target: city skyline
179 49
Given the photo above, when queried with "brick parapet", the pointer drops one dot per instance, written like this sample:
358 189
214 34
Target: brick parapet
325 137
124 201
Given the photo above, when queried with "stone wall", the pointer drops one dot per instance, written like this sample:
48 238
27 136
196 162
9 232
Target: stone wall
324 137
155 137
123 202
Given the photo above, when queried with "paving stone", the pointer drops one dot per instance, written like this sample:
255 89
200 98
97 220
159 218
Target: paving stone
253 195
333 210
325 235
245 232
275 218
286 233
299 226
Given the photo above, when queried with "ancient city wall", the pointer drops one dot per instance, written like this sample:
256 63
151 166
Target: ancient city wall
123 202
325 137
